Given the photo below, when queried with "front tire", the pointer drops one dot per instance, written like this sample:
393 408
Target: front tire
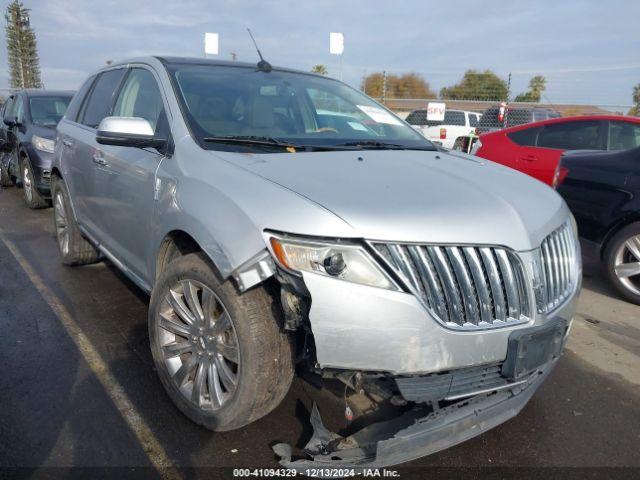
622 262
5 177
74 248
32 197
220 355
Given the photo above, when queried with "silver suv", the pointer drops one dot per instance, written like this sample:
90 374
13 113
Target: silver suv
278 217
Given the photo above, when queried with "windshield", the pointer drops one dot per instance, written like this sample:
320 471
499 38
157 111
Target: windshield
48 111
226 102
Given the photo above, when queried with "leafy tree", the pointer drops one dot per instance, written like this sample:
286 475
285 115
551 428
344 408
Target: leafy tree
635 110
408 85
319 69
477 86
537 85
24 65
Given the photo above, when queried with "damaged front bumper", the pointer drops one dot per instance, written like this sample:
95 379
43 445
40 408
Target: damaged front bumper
416 433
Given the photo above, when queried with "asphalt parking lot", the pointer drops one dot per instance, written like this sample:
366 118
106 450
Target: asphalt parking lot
78 388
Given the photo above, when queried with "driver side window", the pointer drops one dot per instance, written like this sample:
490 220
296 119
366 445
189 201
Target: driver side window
140 97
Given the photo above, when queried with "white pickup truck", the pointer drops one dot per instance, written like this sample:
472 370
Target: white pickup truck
456 123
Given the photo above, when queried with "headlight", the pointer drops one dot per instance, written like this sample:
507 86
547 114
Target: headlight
346 262
42 144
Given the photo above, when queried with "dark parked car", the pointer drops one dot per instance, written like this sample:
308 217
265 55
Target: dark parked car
603 191
27 138
493 120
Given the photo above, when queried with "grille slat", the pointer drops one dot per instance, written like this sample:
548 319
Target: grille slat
509 283
465 287
484 297
500 305
469 287
452 294
558 252
427 271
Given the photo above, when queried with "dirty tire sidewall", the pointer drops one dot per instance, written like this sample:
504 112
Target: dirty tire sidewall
609 261
5 178
37 200
266 365
81 252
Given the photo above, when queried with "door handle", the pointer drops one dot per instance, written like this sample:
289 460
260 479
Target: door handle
99 159
67 143
529 158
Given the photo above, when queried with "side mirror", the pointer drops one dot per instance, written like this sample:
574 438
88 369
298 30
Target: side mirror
9 122
128 132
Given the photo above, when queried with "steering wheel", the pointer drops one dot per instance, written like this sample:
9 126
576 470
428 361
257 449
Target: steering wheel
326 130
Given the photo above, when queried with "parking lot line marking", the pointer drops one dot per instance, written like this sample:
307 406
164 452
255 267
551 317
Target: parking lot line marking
150 444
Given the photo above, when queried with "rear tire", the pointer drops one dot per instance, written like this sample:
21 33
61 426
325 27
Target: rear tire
32 197
622 261
73 247
197 320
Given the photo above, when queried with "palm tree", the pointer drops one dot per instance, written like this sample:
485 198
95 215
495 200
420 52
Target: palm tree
319 69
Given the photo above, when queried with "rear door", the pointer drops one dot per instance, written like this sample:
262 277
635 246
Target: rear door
84 152
125 179
540 161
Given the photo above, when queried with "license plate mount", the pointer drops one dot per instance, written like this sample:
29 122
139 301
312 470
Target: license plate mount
533 347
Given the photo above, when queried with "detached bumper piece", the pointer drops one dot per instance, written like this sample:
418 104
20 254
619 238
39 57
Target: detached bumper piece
416 433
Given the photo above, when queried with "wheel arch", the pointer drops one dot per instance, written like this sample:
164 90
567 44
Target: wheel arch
631 217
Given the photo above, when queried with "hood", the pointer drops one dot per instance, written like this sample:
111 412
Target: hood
418 196
44 132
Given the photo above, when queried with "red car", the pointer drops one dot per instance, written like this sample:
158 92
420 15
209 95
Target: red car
535 148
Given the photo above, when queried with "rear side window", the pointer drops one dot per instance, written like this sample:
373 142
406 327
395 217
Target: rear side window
489 118
518 116
76 102
101 97
571 136
473 120
417 117
526 137
623 135
454 117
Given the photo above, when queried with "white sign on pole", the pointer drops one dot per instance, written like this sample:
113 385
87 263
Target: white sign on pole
435 111
211 44
336 43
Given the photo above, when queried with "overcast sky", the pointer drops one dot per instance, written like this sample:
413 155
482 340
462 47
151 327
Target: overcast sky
588 50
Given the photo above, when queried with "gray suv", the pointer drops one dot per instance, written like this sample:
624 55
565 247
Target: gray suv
280 218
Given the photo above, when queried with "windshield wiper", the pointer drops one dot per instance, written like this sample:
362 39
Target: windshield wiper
377 145
250 140
271 142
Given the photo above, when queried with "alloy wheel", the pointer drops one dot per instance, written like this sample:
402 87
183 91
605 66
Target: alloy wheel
27 184
61 223
627 264
199 345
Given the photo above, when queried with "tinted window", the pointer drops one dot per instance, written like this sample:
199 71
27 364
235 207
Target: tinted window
623 135
48 111
490 118
140 97
76 102
100 99
454 117
571 136
473 120
417 117
526 137
518 116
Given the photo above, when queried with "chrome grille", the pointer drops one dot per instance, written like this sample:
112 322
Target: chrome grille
464 287
558 258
